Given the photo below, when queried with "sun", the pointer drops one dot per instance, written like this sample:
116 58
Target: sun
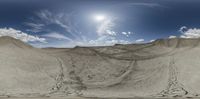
99 18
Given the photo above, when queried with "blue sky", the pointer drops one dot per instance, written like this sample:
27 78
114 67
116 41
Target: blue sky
68 23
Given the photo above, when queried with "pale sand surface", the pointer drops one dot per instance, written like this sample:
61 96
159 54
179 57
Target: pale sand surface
97 98
166 67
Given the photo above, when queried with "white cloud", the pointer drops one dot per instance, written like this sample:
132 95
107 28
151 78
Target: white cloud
109 32
57 36
152 40
106 41
139 40
35 27
101 41
20 35
172 36
105 26
191 33
152 5
124 33
127 33
105 35
182 29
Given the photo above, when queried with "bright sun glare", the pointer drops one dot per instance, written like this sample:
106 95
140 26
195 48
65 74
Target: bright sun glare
99 18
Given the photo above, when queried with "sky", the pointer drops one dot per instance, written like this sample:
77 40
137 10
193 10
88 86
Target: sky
70 23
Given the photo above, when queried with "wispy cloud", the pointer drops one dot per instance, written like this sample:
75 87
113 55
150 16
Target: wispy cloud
35 27
139 40
106 26
72 34
56 35
20 35
47 18
152 5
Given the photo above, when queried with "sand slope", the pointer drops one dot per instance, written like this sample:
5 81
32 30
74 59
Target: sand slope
24 69
163 68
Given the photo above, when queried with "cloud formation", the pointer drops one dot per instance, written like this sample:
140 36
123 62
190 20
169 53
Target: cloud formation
106 41
56 35
139 40
183 29
152 40
35 27
127 33
70 32
110 32
105 26
151 5
172 36
190 33
46 18
20 35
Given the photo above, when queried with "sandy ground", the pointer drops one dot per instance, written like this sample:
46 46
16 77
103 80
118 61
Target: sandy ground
98 98
47 98
164 68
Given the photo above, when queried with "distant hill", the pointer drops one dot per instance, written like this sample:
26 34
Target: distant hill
10 41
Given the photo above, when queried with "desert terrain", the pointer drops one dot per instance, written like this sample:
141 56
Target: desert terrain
165 68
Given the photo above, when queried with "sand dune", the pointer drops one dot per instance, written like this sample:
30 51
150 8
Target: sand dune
163 68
